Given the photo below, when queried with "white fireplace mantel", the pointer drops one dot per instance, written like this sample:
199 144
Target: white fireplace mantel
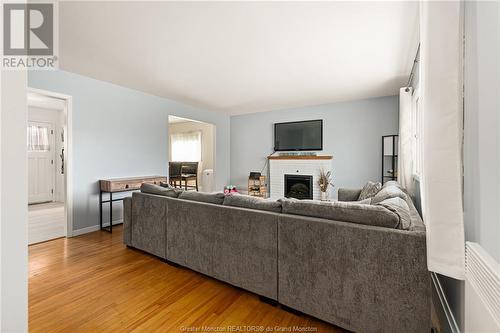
279 166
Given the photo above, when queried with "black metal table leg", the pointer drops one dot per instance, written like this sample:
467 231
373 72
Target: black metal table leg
103 201
110 211
100 209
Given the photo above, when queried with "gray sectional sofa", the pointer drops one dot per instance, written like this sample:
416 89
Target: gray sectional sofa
360 266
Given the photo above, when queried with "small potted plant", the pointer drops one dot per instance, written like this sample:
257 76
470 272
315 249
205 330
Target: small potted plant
324 182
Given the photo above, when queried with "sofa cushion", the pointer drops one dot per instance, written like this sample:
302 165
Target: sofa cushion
342 211
348 194
399 207
213 198
248 201
387 192
160 190
369 190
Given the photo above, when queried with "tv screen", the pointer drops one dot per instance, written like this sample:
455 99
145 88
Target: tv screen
299 135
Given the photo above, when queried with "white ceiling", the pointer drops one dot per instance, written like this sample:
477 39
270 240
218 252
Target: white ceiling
241 57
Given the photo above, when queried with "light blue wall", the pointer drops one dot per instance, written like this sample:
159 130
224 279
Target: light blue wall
352 133
482 125
120 132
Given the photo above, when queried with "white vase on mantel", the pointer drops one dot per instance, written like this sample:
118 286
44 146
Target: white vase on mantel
324 196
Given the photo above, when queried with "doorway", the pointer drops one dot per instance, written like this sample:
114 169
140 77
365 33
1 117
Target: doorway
191 143
47 129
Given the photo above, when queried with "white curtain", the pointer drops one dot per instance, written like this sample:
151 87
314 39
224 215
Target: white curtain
405 154
442 106
186 147
38 138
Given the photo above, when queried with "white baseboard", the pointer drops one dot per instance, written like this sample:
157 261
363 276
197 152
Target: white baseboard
93 228
450 318
86 230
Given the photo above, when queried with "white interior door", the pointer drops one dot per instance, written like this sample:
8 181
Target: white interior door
41 166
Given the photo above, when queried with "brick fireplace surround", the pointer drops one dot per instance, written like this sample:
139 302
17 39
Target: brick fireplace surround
279 166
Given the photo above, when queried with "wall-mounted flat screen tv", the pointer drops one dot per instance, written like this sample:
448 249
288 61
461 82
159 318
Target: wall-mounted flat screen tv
298 135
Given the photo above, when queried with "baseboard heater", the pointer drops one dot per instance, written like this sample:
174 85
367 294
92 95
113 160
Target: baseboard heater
482 291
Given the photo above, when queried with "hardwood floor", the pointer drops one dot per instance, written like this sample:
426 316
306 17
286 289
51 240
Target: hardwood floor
93 283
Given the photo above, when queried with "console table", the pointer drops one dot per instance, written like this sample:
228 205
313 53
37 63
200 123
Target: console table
117 185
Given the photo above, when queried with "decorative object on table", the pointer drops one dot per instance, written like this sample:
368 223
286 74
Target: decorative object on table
389 158
228 189
257 185
324 182
116 185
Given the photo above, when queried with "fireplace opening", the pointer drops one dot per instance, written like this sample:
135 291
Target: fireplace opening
298 186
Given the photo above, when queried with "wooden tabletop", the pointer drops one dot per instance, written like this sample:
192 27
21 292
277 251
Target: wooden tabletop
129 183
131 178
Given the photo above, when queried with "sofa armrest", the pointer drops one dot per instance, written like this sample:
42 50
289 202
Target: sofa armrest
149 219
349 194
127 221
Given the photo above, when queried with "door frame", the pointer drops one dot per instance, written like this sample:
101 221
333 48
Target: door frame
214 144
68 152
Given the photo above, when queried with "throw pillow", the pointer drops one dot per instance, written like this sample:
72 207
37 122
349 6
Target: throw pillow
399 207
392 183
387 192
369 190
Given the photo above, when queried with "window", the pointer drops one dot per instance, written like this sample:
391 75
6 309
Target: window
38 138
416 135
186 147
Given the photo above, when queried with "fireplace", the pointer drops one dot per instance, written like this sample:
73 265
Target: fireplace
298 186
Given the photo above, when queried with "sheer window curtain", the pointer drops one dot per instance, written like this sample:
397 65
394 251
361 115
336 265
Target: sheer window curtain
186 147
38 138
441 102
405 167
